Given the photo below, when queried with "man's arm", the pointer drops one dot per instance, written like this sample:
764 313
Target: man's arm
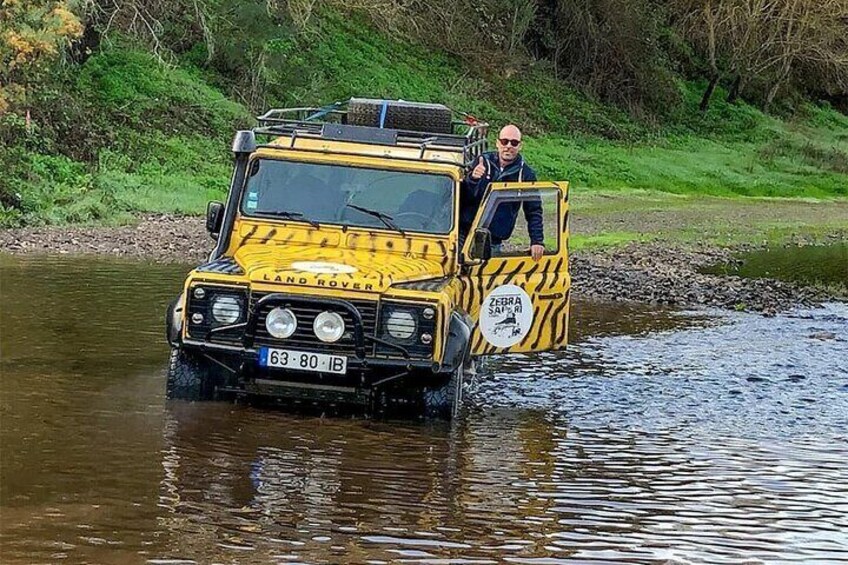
472 186
535 219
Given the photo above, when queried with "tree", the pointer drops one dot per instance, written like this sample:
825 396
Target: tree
773 43
736 36
34 32
812 46
609 48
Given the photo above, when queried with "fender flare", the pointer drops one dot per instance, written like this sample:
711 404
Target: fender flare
174 321
457 343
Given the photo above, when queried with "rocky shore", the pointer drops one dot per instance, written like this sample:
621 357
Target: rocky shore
656 272
154 237
670 275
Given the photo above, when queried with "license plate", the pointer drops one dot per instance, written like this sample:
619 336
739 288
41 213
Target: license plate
302 360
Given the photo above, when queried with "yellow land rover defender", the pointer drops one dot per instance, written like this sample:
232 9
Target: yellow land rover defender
340 272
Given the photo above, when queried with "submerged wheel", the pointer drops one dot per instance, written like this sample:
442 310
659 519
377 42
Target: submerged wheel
443 401
190 377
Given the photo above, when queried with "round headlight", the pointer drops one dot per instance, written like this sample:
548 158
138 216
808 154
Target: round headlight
226 310
401 324
281 322
328 327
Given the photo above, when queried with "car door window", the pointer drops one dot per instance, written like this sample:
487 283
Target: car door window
514 217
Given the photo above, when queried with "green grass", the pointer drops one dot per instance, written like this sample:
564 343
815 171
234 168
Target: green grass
137 93
578 242
159 138
609 218
138 136
168 175
690 166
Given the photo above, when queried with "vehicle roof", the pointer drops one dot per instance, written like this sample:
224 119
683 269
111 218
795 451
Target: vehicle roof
434 154
446 138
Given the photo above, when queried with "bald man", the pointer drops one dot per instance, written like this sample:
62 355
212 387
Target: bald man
504 165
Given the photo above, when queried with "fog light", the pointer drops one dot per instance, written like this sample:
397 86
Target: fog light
281 322
426 339
328 327
429 313
226 309
197 318
199 292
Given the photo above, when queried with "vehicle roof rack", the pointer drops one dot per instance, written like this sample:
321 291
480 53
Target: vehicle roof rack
360 120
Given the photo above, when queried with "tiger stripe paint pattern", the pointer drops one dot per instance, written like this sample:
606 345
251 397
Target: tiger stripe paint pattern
469 301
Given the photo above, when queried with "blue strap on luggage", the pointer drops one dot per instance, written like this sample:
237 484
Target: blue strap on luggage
383 111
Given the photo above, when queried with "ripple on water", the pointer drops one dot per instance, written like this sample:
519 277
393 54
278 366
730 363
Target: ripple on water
671 439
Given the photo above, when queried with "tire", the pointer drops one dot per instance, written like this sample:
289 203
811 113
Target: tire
410 116
190 377
443 401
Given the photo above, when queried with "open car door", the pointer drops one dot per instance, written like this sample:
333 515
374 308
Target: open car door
519 305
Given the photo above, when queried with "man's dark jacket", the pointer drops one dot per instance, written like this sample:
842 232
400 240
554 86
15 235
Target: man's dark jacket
504 221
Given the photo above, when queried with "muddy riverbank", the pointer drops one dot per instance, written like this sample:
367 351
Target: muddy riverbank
659 272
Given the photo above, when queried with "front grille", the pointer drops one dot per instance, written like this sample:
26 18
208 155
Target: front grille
304 337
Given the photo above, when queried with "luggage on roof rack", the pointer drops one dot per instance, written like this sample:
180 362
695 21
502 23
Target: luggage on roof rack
399 114
381 122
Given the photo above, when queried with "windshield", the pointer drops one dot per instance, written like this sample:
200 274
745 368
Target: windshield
338 194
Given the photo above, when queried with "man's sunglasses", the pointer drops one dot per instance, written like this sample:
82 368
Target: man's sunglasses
513 142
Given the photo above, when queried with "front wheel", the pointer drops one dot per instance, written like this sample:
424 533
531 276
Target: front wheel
443 401
190 377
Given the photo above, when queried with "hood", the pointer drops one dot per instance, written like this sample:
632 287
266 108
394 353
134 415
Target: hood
341 269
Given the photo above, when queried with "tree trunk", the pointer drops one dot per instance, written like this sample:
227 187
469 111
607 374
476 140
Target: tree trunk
708 93
735 89
81 49
775 88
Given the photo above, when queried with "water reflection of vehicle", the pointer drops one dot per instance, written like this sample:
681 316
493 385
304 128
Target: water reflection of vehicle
307 486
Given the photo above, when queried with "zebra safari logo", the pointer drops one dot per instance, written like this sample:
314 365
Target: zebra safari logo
506 316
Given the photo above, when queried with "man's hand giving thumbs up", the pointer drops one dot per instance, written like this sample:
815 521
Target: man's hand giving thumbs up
479 169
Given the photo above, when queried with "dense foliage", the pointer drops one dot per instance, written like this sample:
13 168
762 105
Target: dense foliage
109 107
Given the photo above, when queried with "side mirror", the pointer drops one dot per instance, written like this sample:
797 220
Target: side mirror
481 245
214 218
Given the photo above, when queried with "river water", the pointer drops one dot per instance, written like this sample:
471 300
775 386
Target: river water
811 264
658 437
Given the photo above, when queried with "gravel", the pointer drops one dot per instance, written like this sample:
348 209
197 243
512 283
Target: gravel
163 238
669 274
659 273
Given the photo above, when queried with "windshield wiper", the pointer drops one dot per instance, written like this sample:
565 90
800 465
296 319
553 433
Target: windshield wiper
383 217
296 216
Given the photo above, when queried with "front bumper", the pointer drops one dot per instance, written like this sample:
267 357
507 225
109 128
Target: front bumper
251 355
362 347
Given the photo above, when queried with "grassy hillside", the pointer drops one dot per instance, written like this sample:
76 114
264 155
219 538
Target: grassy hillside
123 133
